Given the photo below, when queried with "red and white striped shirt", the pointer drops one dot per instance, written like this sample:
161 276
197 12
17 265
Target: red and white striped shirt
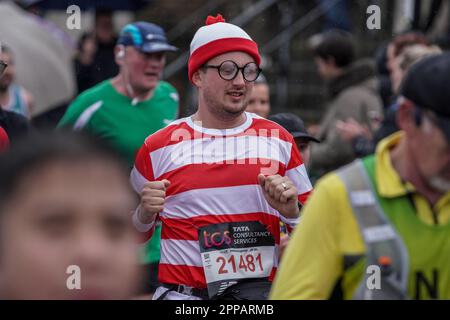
213 175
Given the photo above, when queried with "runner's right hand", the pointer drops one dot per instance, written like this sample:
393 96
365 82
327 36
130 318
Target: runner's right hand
153 196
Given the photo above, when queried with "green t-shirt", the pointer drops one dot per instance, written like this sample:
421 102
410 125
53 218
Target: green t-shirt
106 113
110 115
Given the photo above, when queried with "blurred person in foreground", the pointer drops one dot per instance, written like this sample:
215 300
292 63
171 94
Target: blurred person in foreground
381 226
124 110
259 102
70 219
353 90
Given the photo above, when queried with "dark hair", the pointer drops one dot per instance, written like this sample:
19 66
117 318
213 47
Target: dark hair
4 48
381 59
35 151
336 44
402 41
103 12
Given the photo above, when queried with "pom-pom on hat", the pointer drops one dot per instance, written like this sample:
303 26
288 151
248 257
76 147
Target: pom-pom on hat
218 37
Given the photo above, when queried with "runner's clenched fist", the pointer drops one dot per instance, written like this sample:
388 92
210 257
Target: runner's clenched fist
153 196
281 194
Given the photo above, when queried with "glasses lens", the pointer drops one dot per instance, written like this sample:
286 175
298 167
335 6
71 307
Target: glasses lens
228 70
2 67
251 71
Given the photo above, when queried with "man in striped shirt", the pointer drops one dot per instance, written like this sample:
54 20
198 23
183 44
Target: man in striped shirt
221 180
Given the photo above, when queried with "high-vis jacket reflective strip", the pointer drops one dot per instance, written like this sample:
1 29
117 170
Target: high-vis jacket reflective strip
380 238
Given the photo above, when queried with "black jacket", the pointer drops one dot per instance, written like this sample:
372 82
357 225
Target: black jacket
14 124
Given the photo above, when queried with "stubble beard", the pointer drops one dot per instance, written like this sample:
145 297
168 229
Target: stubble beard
440 184
220 110
4 87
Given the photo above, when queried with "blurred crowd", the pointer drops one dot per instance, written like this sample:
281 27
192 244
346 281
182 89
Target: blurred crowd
65 195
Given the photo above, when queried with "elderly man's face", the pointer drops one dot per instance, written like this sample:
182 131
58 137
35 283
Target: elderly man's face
142 70
431 151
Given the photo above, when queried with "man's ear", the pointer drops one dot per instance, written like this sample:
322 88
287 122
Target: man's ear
406 117
119 54
330 61
197 78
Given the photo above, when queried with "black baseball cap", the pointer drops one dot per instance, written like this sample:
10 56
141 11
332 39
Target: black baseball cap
145 36
293 124
427 85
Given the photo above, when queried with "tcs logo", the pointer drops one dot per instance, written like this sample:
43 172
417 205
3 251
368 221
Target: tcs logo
216 239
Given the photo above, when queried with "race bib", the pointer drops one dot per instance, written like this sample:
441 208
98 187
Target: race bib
234 251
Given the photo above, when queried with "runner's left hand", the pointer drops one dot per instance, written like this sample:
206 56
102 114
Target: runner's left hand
281 194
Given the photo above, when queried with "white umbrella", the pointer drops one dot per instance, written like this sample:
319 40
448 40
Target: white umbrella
43 63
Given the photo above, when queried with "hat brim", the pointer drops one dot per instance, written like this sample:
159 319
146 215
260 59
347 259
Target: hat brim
151 47
304 136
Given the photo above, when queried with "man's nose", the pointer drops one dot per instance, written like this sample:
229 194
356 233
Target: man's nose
239 79
92 248
154 64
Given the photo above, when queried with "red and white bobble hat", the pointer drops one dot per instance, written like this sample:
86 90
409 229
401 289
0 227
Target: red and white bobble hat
218 37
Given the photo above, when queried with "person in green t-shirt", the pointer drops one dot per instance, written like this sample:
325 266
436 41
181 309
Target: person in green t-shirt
126 109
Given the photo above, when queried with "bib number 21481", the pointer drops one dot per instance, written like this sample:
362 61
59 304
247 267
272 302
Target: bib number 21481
235 251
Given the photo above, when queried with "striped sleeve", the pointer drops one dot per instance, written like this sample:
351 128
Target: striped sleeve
141 174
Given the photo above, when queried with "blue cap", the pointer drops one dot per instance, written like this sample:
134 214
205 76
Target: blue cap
145 36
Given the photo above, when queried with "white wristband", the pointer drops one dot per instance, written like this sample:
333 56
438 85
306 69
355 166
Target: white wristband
291 222
141 227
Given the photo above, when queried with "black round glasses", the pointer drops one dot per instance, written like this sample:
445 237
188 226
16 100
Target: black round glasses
3 66
228 70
